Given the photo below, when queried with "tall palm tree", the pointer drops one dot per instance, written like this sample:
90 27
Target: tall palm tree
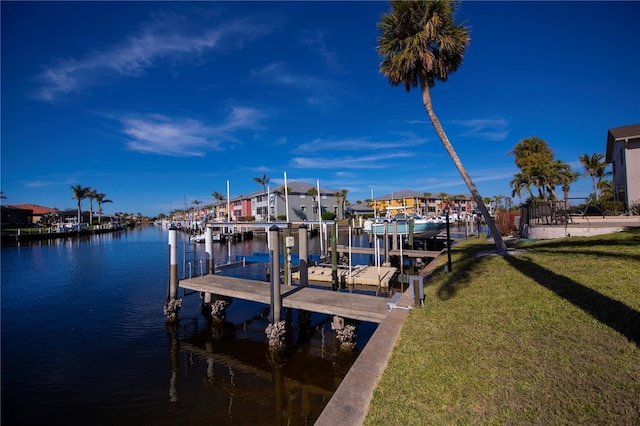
420 43
264 180
91 195
518 183
594 167
101 200
341 197
531 151
79 193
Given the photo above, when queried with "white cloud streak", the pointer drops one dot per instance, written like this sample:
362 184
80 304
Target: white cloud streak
165 39
185 137
490 129
348 162
360 145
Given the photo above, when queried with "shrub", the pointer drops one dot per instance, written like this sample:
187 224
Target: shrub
612 207
328 216
505 222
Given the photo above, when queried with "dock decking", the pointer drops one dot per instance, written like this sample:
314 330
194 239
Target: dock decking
348 305
360 275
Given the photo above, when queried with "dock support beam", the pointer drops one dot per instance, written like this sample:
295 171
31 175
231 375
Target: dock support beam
303 255
208 248
274 251
173 304
173 264
394 228
334 257
386 243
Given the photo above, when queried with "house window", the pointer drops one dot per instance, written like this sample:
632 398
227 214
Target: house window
303 208
622 194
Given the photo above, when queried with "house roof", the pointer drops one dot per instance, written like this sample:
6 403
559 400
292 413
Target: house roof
401 195
617 134
37 210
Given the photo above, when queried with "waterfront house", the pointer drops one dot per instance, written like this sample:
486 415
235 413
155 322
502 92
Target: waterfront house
426 204
623 153
302 206
36 211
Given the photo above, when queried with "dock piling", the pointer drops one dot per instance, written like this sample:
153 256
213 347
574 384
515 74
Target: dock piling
173 264
274 250
208 248
303 255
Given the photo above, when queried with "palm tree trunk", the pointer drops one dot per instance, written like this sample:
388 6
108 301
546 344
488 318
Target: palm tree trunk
595 188
426 100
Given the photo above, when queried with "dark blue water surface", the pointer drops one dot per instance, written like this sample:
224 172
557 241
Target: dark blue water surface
84 341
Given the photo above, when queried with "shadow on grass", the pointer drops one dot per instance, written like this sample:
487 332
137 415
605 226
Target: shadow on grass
608 311
461 273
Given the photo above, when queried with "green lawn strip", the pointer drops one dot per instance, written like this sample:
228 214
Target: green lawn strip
543 336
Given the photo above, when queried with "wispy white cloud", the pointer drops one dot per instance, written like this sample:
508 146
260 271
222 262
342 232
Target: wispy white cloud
315 41
360 145
349 162
167 39
185 137
45 183
278 73
494 129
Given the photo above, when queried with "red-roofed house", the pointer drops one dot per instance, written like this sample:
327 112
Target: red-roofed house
37 211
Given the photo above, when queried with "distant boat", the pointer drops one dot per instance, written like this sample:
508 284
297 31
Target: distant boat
201 238
421 225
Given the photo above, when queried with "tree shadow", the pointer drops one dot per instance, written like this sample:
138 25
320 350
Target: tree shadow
611 312
461 274
589 253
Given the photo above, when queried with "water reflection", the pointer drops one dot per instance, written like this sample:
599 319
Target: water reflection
293 385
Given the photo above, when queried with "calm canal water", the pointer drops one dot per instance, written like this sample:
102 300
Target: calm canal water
84 341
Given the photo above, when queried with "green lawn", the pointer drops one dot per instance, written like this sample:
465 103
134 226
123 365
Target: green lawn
549 335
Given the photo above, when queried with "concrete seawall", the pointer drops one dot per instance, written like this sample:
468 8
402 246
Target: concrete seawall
582 227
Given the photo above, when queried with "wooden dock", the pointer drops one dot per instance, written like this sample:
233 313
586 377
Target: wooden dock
348 305
359 275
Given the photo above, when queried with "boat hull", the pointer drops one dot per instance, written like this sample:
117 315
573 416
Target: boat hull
427 227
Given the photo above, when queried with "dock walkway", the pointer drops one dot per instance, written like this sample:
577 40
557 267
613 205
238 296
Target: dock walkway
348 305
359 275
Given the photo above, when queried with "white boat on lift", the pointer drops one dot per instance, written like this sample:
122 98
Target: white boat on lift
421 225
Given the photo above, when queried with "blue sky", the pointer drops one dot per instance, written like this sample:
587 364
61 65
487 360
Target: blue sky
158 103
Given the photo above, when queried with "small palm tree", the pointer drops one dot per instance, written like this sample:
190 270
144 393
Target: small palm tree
101 200
341 196
79 193
420 43
313 193
264 180
594 167
91 195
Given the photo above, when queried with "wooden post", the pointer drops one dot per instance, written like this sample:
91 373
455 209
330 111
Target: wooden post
386 242
274 251
304 255
208 248
334 257
173 264
394 242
